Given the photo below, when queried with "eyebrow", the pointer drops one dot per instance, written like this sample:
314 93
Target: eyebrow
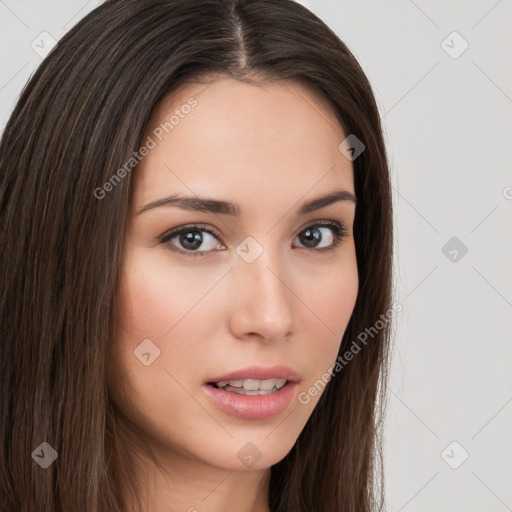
226 208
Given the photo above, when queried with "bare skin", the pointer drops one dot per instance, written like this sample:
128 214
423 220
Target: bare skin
269 148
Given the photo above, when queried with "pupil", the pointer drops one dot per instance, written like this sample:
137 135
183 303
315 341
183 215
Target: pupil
191 240
311 236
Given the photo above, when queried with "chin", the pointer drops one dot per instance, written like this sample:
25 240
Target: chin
251 452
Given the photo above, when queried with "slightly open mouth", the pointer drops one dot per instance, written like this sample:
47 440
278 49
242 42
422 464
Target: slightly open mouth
250 387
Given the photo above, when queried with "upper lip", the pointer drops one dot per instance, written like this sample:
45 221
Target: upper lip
259 373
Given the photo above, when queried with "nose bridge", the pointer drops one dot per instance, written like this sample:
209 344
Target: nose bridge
263 302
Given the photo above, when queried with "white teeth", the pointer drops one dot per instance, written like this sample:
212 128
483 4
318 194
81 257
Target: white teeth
252 386
263 385
270 383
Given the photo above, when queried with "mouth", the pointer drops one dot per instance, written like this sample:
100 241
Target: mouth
255 392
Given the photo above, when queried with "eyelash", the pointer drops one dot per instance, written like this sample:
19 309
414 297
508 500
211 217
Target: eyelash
339 233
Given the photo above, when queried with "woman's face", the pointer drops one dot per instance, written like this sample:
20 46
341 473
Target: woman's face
246 294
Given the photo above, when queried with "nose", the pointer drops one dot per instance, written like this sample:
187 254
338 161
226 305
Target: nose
261 298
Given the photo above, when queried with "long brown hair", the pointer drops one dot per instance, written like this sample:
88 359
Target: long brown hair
80 118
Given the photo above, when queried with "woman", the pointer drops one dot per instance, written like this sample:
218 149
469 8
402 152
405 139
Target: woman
196 267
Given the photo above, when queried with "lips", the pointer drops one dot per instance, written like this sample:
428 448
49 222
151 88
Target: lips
246 393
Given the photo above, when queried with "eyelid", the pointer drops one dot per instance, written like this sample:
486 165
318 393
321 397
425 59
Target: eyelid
191 226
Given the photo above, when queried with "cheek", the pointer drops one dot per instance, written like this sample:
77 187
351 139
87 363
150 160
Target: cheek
162 303
168 310
330 295
157 297
330 306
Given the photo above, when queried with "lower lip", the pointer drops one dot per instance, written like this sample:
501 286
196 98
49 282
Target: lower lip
252 407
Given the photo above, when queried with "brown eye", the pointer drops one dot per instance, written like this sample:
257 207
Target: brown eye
329 234
191 241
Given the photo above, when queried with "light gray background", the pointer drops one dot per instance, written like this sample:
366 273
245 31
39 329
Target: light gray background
448 124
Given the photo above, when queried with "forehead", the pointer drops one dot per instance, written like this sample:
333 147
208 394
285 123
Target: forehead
230 138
